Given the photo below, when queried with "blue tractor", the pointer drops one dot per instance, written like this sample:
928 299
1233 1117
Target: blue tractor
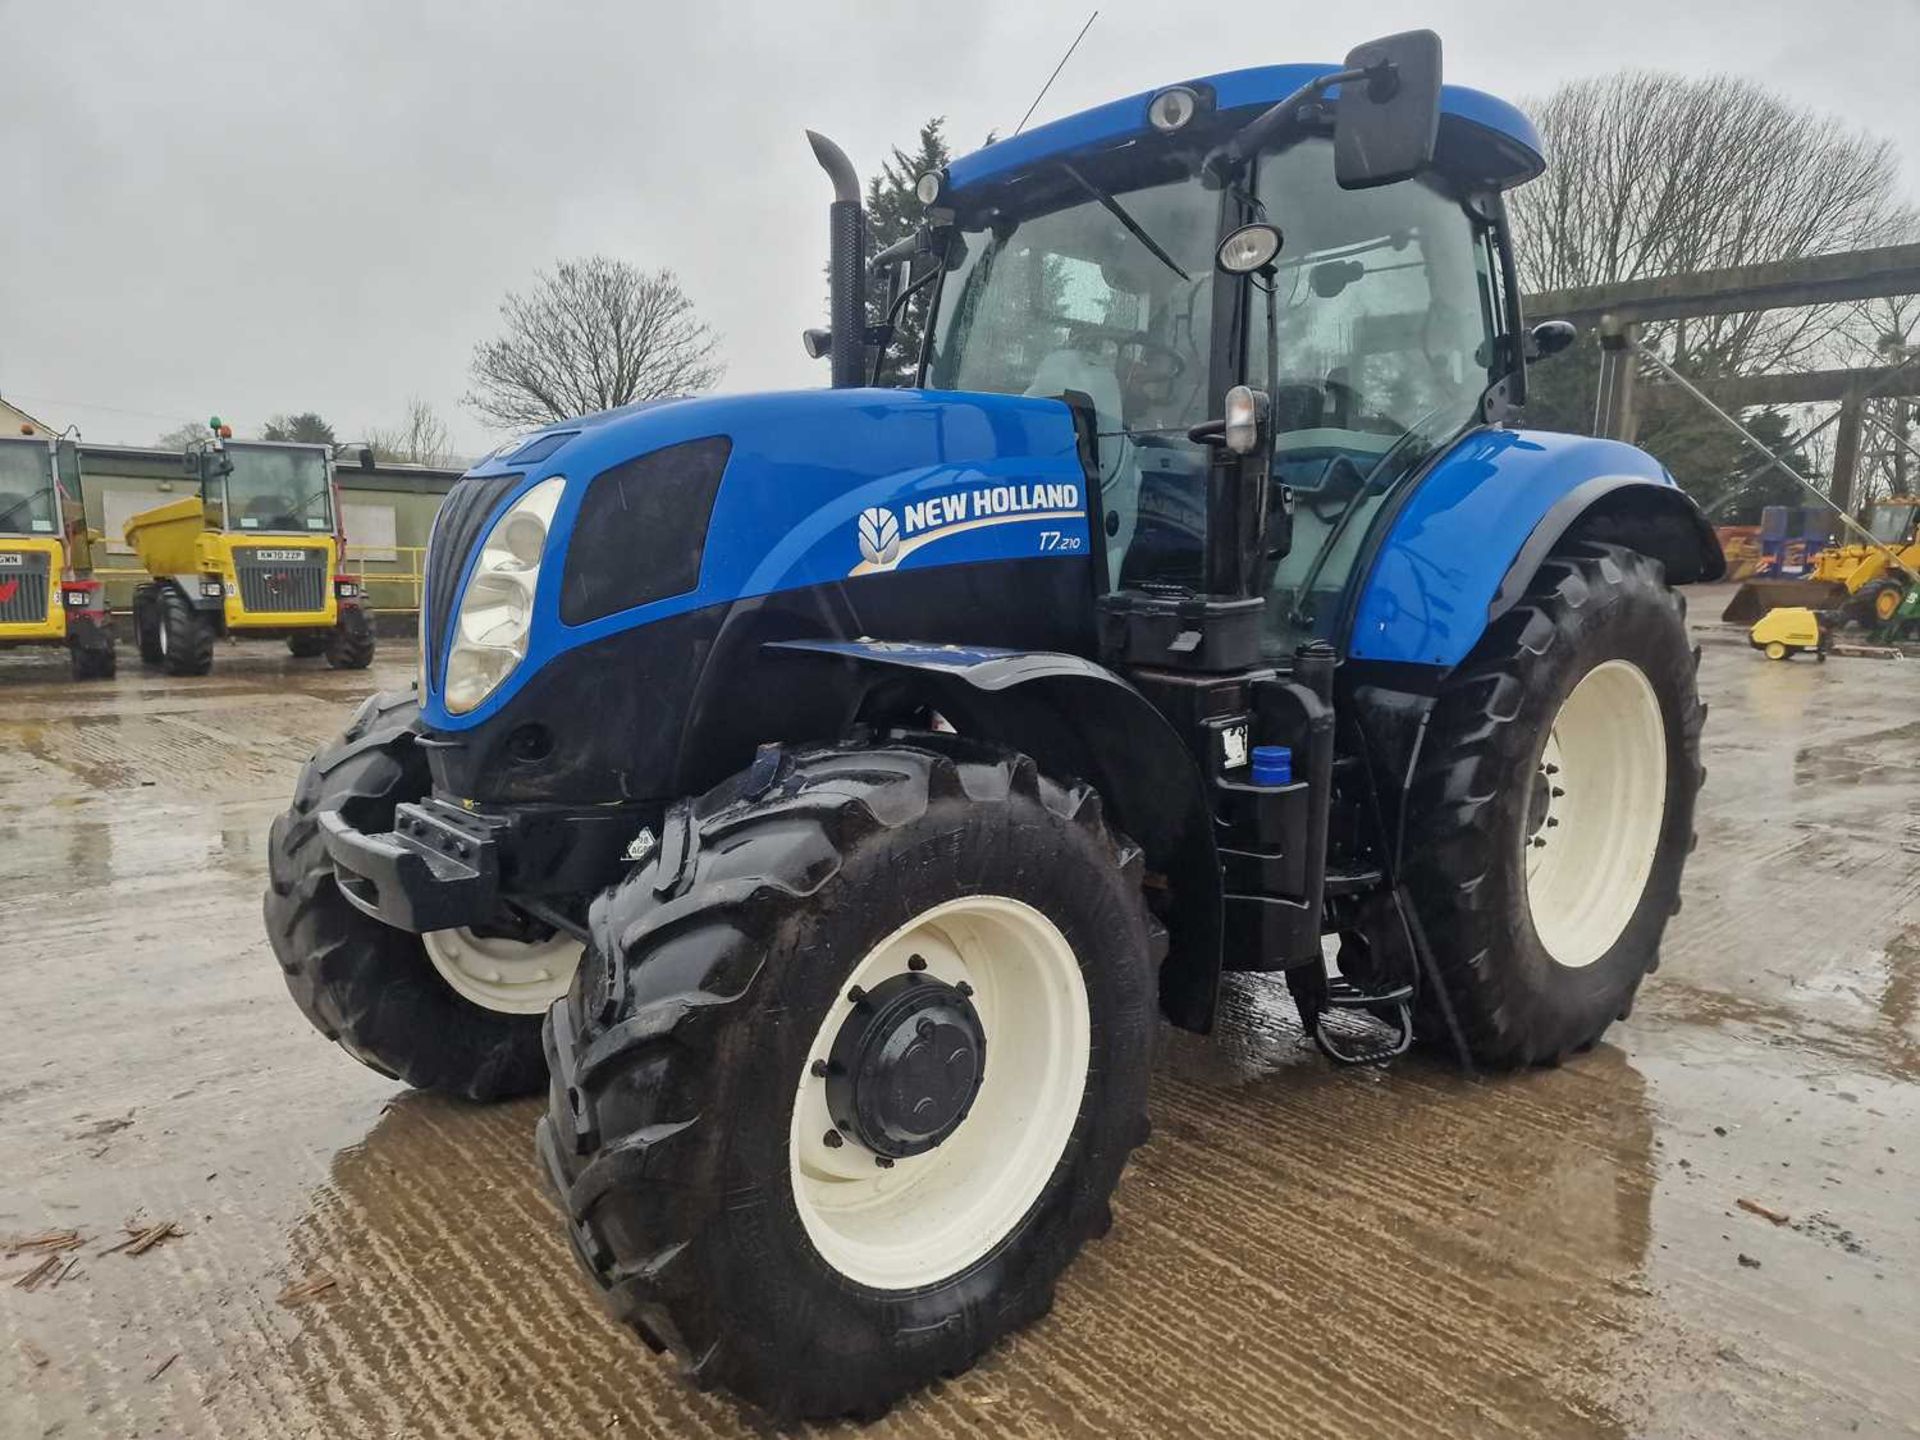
853 779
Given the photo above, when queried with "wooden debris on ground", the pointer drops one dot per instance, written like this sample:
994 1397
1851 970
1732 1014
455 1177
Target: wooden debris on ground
1754 1207
45 1242
36 1357
161 1368
31 1280
315 1285
142 1238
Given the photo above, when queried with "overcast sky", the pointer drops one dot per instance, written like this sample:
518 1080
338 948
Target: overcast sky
269 206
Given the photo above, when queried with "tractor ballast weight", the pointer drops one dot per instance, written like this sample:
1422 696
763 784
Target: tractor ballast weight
255 550
844 773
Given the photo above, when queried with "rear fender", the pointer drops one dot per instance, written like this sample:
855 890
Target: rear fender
1077 720
1466 540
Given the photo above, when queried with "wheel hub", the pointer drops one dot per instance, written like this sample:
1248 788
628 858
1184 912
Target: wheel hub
906 1065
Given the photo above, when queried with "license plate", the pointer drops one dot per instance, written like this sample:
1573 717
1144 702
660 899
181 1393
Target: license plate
285 557
12 559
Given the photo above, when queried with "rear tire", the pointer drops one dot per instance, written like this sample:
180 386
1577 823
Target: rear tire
1575 722
362 983
308 643
186 640
349 645
90 648
683 1121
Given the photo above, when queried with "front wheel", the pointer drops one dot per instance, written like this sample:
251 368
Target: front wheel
455 1011
349 645
90 649
852 1069
1552 816
185 639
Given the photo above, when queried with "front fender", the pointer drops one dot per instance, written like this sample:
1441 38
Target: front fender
1462 545
1079 719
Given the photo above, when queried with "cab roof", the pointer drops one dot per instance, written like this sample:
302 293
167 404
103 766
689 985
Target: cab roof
1481 137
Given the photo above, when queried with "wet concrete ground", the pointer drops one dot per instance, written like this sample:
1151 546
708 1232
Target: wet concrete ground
1298 1250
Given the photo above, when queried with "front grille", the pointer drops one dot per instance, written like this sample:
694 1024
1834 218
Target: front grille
23 587
457 529
273 581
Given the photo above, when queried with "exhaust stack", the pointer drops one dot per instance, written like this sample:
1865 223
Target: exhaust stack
846 265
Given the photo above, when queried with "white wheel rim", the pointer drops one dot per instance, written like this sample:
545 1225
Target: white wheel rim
1589 852
514 977
932 1215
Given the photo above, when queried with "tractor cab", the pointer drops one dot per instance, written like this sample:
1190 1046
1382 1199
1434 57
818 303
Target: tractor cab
265 488
1895 521
1368 313
47 593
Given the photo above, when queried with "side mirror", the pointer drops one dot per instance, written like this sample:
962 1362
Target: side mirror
1385 124
818 343
1549 337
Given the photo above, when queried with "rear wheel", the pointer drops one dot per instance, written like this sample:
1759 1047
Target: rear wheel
852 1069
308 643
385 995
1552 818
185 639
349 645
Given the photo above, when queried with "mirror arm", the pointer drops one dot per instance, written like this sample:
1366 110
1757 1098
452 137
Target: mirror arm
1256 132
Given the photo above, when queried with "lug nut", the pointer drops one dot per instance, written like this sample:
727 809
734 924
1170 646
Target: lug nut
916 962
833 1140
885 1162
857 996
924 1029
820 1069
1556 792
1551 822
964 988
1539 842
1551 769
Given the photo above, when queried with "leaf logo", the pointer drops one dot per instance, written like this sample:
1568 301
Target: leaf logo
879 536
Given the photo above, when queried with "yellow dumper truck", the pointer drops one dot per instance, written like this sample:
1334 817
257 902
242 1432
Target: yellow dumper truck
48 595
253 551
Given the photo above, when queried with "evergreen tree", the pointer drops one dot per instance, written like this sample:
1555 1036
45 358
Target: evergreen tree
894 211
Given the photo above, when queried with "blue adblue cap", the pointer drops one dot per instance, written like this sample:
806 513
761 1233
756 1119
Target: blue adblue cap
1272 765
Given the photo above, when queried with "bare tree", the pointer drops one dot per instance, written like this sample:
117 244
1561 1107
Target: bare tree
421 438
183 435
1657 174
591 335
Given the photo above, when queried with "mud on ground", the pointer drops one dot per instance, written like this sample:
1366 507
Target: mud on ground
1298 1250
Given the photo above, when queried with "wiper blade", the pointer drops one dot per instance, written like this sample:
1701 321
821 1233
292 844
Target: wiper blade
1113 208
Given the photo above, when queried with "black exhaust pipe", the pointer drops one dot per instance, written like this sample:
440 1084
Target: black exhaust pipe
846 265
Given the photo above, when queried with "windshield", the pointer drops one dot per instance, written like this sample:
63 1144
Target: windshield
278 487
1386 311
1892 521
27 502
1072 299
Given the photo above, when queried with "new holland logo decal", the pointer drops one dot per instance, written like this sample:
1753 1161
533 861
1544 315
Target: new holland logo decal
887 538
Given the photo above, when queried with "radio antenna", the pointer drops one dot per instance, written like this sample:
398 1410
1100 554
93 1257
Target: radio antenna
1056 72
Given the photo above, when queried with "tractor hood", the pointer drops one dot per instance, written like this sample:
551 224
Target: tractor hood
676 506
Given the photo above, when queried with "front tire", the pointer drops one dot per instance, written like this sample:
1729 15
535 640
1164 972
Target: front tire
709 1130
1551 819
90 650
374 989
146 624
185 640
349 645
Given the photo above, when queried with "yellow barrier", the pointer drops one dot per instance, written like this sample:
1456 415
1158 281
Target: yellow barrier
397 589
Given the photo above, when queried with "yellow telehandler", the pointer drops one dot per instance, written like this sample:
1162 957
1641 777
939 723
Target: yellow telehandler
255 550
48 595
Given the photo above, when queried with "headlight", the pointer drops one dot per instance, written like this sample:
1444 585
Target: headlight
496 609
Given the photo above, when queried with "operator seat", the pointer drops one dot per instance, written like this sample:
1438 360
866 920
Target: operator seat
1070 369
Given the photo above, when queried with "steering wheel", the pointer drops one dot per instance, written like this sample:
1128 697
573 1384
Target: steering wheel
1293 393
1340 481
